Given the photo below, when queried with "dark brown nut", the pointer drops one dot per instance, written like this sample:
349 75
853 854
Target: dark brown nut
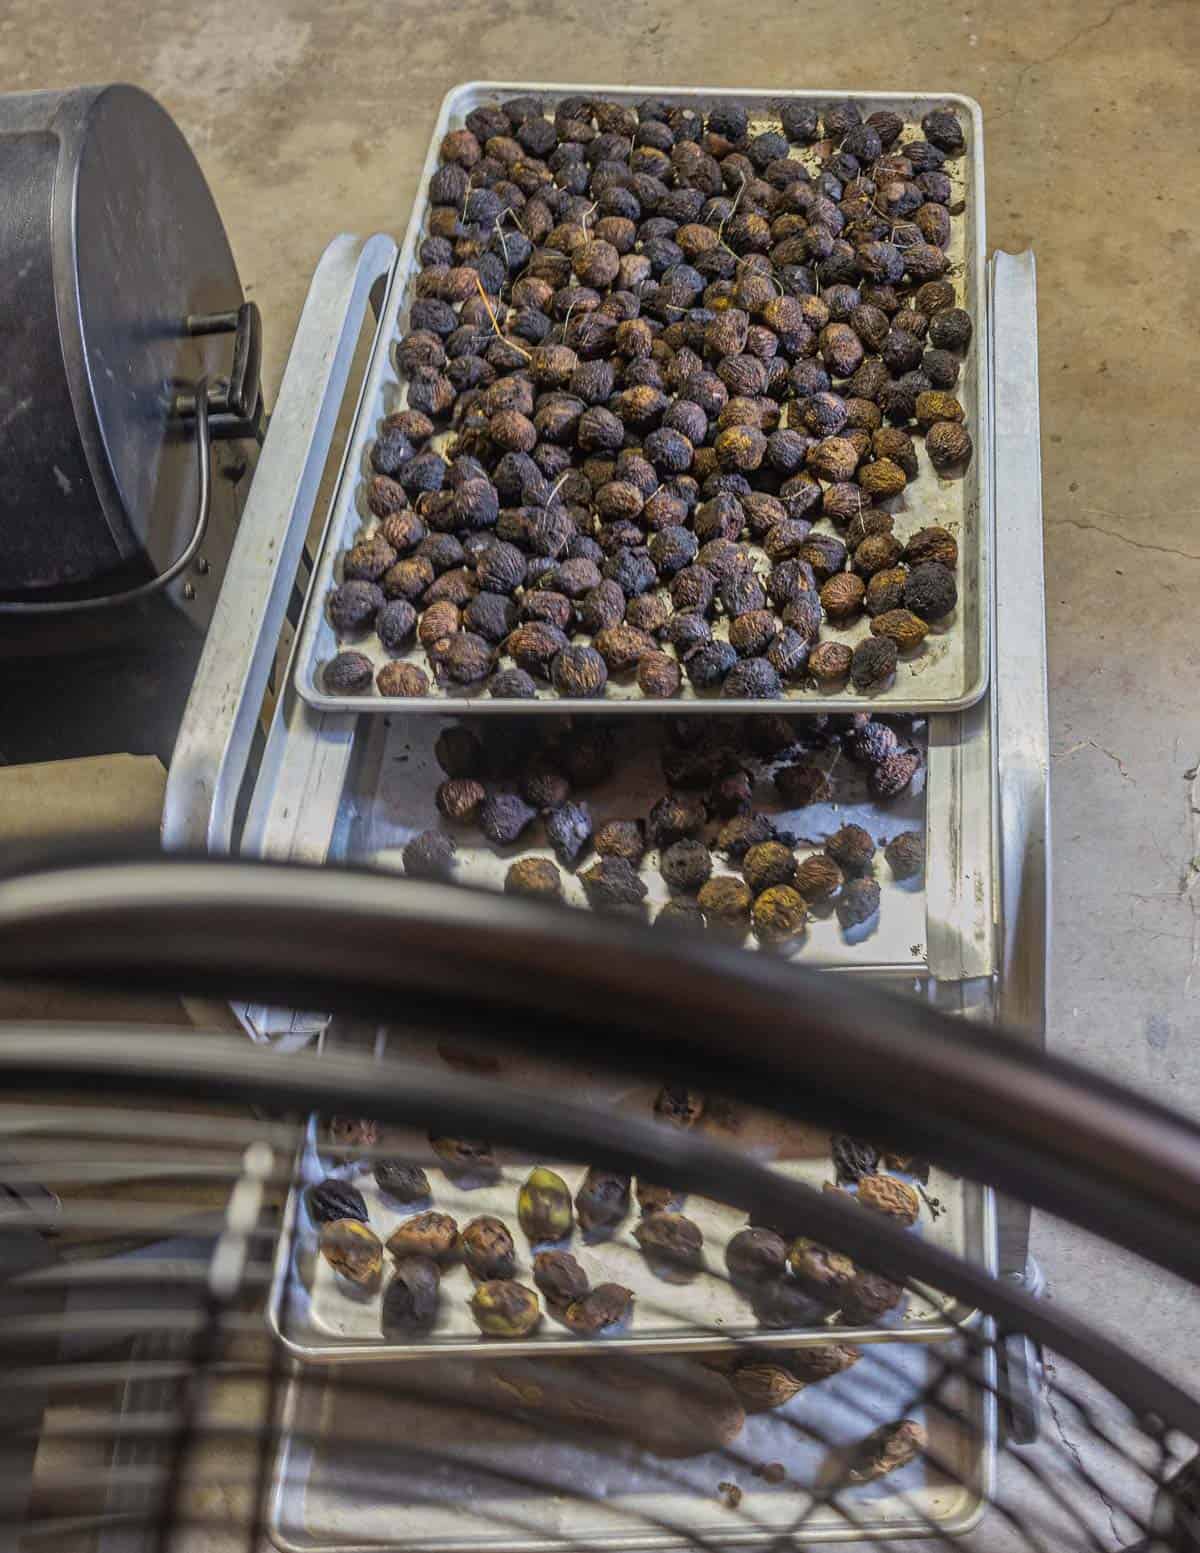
686 865
842 596
768 863
512 684
784 1304
752 633
870 741
800 785
618 499
579 671
675 1103
726 904
935 296
858 902
882 478
502 1308
460 146
622 838
462 658
818 878
602 1201
824 1361
877 553
543 783
932 544
333 1199
841 349
439 621
402 679
825 554
459 753
819 1270
870 521
504 817
892 776
395 624
907 630
868 1296
410 1301
672 1244
487 1249
430 1233
353 606
457 587
886 1195
675 817
605 1306
469 1161
569 832
752 678
896 446
550 608
612 884
368 559
401 1181
385 498
948 445
353 1251
535 878
931 591
512 431
756 1254
349 673
765 1384
430 392
906 854
623 647
886 1449
885 590
829 663
602 607
535 646
559 1277
787 539
853 1158
741 448
779 914
429 856
459 799
873 665
823 414
852 848
659 675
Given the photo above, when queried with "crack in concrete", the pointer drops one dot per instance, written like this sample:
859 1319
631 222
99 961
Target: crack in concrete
1076 1456
1046 59
1090 744
1125 539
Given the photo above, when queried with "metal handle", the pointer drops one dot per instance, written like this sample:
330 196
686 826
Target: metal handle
232 406
199 400
217 732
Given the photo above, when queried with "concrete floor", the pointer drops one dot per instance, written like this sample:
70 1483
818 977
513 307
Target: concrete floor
311 118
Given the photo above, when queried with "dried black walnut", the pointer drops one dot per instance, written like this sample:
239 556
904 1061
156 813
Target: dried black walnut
333 1199
672 1244
559 1277
429 856
858 902
402 1181
612 884
755 1254
905 854
410 1301
536 878
602 1200
487 1248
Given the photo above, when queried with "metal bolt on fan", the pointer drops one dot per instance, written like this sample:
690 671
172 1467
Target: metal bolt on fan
167 1246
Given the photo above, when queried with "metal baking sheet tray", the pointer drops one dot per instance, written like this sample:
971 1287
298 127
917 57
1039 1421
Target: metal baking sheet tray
948 674
407 775
423 1482
320 1319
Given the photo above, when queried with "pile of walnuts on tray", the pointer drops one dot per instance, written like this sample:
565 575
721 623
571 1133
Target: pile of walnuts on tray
666 377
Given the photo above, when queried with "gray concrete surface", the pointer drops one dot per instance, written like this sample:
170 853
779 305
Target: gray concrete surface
311 118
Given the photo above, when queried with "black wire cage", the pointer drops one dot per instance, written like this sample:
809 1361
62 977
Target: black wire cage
256 1300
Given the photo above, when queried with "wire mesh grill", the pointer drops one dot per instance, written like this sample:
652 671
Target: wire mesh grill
168 1414
157 1193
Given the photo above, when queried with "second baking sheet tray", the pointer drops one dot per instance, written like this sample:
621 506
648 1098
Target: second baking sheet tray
948 674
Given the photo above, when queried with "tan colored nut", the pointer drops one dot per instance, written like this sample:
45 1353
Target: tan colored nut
934 406
843 595
882 478
439 620
907 630
877 553
761 1387
886 1449
818 877
884 1194
948 445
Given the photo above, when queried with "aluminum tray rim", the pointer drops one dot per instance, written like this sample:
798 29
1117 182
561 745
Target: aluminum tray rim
320 700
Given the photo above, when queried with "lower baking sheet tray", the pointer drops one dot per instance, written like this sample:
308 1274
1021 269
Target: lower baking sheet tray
386 1468
322 1320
